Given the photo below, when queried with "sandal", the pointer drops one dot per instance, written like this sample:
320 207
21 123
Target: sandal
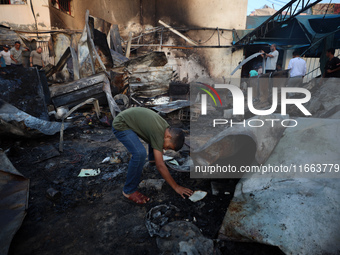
138 198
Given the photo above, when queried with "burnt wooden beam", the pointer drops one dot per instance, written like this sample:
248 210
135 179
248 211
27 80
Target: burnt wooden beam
72 93
57 90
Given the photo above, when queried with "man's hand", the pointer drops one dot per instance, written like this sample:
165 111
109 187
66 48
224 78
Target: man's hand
263 53
31 65
329 71
183 191
161 167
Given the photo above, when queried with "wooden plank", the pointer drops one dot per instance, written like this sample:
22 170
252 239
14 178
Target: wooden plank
112 103
128 47
73 98
61 63
117 58
115 41
90 43
57 90
76 75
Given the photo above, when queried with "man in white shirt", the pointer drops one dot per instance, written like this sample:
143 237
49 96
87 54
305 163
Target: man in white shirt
298 69
271 57
6 55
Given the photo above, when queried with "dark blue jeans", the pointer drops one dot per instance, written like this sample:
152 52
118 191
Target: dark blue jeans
132 143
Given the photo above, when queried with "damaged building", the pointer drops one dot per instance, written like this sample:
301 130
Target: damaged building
260 157
211 31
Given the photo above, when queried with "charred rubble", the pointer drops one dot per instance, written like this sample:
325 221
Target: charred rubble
63 169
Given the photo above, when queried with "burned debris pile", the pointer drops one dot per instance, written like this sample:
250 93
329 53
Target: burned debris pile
56 125
85 63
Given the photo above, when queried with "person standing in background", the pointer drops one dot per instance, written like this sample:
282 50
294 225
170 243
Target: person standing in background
271 57
16 54
36 58
6 55
297 70
332 68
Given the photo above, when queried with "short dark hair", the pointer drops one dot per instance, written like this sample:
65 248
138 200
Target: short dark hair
17 42
177 137
331 50
296 53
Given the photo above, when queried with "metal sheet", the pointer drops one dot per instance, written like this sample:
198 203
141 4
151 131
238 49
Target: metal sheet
90 61
22 87
171 107
61 42
17 122
8 36
115 41
14 189
117 58
255 55
299 215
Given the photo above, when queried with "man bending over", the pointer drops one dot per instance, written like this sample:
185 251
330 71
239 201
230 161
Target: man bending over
138 122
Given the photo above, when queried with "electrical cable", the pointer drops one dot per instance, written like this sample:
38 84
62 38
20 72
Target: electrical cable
206 40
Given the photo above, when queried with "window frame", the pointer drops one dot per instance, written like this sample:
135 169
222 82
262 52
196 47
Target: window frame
59 6
10 2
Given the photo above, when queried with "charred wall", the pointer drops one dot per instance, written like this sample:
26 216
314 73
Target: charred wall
203 13
113 11
137 15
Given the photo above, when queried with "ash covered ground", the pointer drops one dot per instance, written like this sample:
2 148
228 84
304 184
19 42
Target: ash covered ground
91 216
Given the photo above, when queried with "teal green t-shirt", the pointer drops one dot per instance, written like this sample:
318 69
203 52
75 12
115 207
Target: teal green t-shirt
147 124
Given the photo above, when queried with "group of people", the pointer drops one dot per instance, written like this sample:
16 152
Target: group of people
297 66
13 56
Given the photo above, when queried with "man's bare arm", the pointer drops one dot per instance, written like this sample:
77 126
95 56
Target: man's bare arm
265 55
334 70
16 61
161 167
